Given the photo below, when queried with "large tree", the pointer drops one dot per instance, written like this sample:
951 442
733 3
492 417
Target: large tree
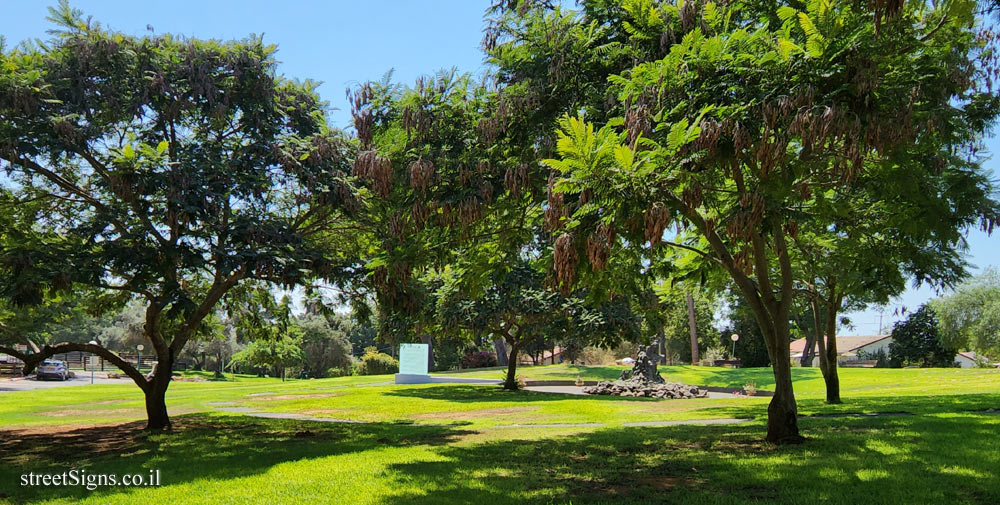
517 306
970 316
176 168
745 119
917 341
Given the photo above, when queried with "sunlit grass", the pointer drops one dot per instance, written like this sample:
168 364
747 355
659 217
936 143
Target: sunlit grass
451 443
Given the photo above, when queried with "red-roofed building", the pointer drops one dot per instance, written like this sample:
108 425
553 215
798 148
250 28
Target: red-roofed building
848 348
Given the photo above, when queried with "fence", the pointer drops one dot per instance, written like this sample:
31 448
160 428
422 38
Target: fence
80 360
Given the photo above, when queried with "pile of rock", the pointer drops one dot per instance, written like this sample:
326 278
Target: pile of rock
646 389
644 381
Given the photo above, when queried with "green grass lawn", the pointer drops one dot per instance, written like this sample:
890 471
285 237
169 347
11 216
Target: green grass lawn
451 444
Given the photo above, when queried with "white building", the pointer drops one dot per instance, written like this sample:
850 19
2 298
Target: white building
852 350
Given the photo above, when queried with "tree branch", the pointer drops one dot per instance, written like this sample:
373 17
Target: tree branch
31 361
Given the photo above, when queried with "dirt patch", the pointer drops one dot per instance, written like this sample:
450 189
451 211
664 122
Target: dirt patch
136 412
80 412
293 397
667 483
327 412
474 414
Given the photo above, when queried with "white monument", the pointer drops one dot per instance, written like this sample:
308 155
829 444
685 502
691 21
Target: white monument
413 368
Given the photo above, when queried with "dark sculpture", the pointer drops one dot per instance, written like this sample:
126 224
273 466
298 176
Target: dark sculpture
644 381
644 368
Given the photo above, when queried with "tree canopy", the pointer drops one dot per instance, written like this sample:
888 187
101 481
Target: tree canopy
170 170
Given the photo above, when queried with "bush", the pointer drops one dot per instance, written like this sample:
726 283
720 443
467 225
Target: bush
596 356
474 358
881 357
377 363
325 347
915 341
350 368
708 356
625 350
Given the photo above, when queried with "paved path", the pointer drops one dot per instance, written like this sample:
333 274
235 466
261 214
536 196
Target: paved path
81 379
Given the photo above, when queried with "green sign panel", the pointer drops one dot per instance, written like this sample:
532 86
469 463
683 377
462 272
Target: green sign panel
413 359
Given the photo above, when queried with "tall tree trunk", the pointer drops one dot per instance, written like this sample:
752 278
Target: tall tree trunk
500 347
661 343
808 351
830 373
827 343
693 329
156 395
511 381
782 412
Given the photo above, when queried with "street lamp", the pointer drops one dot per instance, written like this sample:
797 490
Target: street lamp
734 337
92 361
138 357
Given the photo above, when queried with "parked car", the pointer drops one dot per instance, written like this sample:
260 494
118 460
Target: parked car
54 369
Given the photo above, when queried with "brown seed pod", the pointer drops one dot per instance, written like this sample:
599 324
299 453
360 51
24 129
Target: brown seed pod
565 260
656 219
516 178
598 248
421 173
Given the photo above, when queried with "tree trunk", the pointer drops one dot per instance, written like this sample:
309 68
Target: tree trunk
693 329
156 395
500 347
661 343
511 381
808 351
830 373
782 413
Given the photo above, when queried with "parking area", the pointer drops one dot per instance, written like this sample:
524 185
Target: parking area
82 379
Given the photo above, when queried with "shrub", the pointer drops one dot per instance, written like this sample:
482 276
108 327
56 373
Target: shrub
377 363
596 356
351 368
711 354
881 357
474 358
625 350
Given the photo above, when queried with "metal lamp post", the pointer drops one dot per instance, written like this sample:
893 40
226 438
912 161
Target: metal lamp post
92 361
734 337
138 357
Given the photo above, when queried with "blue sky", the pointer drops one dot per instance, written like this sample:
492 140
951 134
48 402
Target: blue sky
342 43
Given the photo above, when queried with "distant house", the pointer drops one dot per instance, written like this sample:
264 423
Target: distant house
851 350
969 359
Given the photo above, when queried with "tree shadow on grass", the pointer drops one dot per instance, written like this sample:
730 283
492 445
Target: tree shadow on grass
848 461
199 447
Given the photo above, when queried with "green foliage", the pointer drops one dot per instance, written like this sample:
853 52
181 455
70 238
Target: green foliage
673 311
970 317
750 349
161 174
377 363
325 346
279 353
916 341
361 336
